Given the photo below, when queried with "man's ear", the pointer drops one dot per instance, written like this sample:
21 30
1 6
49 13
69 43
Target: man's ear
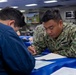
11 22
60 22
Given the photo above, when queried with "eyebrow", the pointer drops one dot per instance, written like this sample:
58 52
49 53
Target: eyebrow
49 27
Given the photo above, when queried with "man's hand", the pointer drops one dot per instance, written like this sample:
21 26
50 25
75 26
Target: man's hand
32 50
55 52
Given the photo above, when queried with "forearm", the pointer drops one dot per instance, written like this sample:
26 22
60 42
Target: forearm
68 52
38 50
39 46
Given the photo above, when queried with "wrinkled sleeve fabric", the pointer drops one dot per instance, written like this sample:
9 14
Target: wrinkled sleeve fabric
71 49
16 58
38 39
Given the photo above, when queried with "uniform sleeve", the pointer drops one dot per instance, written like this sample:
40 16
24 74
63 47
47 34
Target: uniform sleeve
71 49
16 58
38 39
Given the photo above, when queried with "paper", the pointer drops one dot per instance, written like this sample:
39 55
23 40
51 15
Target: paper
40 64
65 71
50 56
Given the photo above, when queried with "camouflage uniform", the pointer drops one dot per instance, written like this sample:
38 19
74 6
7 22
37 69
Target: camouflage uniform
64 45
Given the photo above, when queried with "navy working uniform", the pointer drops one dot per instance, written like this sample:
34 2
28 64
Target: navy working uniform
64 45
15 59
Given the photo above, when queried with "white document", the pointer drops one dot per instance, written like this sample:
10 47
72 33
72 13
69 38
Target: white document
65 71
40 64
50 56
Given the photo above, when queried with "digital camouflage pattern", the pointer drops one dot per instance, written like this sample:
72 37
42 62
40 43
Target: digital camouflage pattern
64 45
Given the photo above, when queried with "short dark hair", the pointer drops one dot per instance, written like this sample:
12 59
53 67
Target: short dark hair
52 14
9 13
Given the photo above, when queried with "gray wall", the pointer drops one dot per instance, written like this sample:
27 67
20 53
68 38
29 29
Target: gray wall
64 9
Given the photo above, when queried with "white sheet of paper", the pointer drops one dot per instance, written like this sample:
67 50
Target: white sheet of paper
65 71
50 56
40 64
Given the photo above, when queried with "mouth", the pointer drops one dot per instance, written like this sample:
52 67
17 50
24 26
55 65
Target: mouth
51 35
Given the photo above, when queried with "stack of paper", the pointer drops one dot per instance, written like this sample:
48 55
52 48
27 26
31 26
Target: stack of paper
65 71
50 56
40 64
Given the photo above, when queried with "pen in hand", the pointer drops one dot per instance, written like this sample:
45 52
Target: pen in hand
32 50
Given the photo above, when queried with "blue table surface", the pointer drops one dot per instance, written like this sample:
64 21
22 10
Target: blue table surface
59 63
26 42
27 37
49 69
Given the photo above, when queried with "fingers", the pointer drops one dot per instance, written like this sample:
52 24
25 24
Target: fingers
32 50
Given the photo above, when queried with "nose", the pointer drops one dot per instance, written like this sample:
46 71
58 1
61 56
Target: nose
49 31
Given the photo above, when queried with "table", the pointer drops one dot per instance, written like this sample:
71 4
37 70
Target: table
51 68
26 40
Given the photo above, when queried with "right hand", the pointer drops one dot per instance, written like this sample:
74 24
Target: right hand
32 50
